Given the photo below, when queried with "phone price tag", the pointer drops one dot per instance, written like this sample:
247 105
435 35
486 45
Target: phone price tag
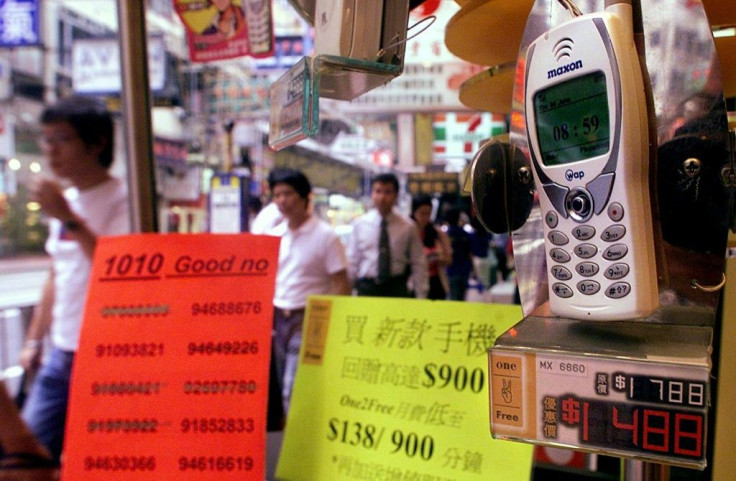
610 406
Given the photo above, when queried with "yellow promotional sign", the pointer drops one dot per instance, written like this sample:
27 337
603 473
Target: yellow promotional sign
171 377
397 389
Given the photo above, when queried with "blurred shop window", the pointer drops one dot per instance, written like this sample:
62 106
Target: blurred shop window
23 94
22 229
164 8
36 68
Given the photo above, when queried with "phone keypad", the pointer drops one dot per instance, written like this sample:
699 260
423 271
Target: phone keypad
587 269
618 290
616 271
613 233
559 255
562 290
587 252
615 252
588 287
558 238
561 273
584 232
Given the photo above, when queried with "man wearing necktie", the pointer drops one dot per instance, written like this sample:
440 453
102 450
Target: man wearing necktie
385 251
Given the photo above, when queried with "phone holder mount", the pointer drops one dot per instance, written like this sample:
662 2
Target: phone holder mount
295 97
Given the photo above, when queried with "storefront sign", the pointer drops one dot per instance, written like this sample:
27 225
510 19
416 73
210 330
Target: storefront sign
228 94
176 178
335 176
96 66
433 183
460 135
288 50
222 29
19 23
171 377
397 389
228 203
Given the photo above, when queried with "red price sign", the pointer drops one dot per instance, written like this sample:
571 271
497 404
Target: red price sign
652 430
171 377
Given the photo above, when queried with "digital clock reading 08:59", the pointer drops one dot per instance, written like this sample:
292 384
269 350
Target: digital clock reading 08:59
572 120
625 426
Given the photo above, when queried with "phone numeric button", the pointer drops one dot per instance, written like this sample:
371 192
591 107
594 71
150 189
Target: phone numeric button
558 238
585 251
616 271
559 255
583 232
588 287
615 252
561 273
587 269
618 290
613 233
561 290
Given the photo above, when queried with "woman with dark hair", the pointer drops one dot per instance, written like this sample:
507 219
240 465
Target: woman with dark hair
436 246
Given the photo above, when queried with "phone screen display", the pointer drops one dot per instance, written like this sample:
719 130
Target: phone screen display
572 119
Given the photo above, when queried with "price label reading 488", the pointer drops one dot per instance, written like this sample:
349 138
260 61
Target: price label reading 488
631 427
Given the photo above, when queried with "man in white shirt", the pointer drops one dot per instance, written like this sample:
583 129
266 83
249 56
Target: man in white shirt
77 139
311 261
403 254
267 218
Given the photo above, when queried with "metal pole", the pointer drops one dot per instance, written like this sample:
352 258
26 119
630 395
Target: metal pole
136 96
632 470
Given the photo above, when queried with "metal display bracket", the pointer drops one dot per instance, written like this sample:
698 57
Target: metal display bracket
295 95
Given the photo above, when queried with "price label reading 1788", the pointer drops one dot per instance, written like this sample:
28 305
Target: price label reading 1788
661 390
